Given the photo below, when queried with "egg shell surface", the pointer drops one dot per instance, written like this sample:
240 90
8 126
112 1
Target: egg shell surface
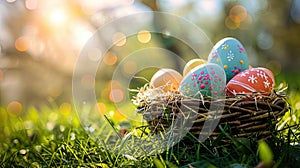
192 64
206 79
168 79
252 80
230 54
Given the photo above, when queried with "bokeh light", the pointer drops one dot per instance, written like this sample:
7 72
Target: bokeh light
238 18
238 13
15 108
54 91
119 39
94 54
50 125
22 43
52 117
31 4
209 6
114 84
22 151
168 5
100 108
208 9
88 81
110 58
10 1
28 124
246 23
274 66
65 109
81 34
58 17
295 11
230 24
36 48
129 67
116 95
118 116
264 40
144 36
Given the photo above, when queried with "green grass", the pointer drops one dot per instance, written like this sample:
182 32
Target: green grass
46 137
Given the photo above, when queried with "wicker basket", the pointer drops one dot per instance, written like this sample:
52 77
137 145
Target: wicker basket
244 115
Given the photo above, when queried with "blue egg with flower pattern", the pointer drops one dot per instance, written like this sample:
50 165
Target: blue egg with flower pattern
230 54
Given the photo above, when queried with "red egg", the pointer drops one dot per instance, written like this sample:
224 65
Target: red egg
260 80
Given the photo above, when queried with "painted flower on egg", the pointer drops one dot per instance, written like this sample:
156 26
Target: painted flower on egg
230 54
206 79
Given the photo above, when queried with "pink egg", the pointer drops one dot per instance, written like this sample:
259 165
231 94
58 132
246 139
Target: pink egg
259 80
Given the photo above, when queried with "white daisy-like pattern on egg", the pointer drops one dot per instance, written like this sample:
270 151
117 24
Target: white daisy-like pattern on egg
252 79
230 56
267 84
244 74
262 75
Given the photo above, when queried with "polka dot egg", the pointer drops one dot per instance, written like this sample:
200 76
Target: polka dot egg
230 54
206 79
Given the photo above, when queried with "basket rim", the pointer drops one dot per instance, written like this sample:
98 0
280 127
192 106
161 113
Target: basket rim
247 114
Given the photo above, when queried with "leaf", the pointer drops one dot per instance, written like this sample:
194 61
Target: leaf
170 164
103 165
199 164
242 145
265 153
158 163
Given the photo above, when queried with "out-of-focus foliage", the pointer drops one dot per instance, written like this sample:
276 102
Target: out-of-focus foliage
41 40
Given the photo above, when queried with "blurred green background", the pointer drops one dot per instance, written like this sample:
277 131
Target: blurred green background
40 41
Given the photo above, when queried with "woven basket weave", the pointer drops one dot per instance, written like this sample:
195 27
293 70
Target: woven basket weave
254 115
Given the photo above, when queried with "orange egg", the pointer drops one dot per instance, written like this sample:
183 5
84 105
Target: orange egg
254 80
167 79
192 64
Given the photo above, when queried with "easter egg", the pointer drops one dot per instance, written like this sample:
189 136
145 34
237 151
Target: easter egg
207 79
192 64
230 54
167 79
252 80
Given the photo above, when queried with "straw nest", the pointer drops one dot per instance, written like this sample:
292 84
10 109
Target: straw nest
244 115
